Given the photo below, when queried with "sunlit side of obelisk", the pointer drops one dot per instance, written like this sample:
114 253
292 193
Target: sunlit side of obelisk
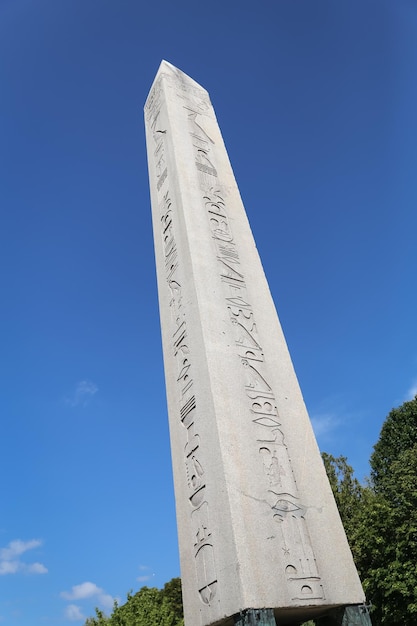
257 522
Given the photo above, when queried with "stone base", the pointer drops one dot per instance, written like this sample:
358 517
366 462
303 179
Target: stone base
343 616
346 616
255 617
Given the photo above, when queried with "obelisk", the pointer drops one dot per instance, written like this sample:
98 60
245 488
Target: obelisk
259 531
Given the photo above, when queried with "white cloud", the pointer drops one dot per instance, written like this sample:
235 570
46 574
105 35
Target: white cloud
106 600
84 391
17 547
84 590
330 417
36 568
144 577
324 423
412 392
13 567
73 613
10 563
89 590
9 567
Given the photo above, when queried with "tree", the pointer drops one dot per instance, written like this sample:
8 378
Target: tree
99 620
147 607
381 518
385 543
172 592
398 433
347 490
391 558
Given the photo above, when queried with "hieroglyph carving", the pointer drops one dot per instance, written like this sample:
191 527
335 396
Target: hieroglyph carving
182 354
297 556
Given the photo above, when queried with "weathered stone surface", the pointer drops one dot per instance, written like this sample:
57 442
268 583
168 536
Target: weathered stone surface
257 523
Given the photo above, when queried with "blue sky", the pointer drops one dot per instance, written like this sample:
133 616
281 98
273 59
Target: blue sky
316 101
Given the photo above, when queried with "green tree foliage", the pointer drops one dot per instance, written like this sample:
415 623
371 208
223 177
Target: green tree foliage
381 518
347 490
99 620
173 595
147 607
398 433
390 554
385 544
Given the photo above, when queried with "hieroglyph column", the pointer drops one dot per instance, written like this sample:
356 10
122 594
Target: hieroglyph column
257 522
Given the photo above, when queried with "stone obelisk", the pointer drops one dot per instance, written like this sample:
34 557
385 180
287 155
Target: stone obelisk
259 533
